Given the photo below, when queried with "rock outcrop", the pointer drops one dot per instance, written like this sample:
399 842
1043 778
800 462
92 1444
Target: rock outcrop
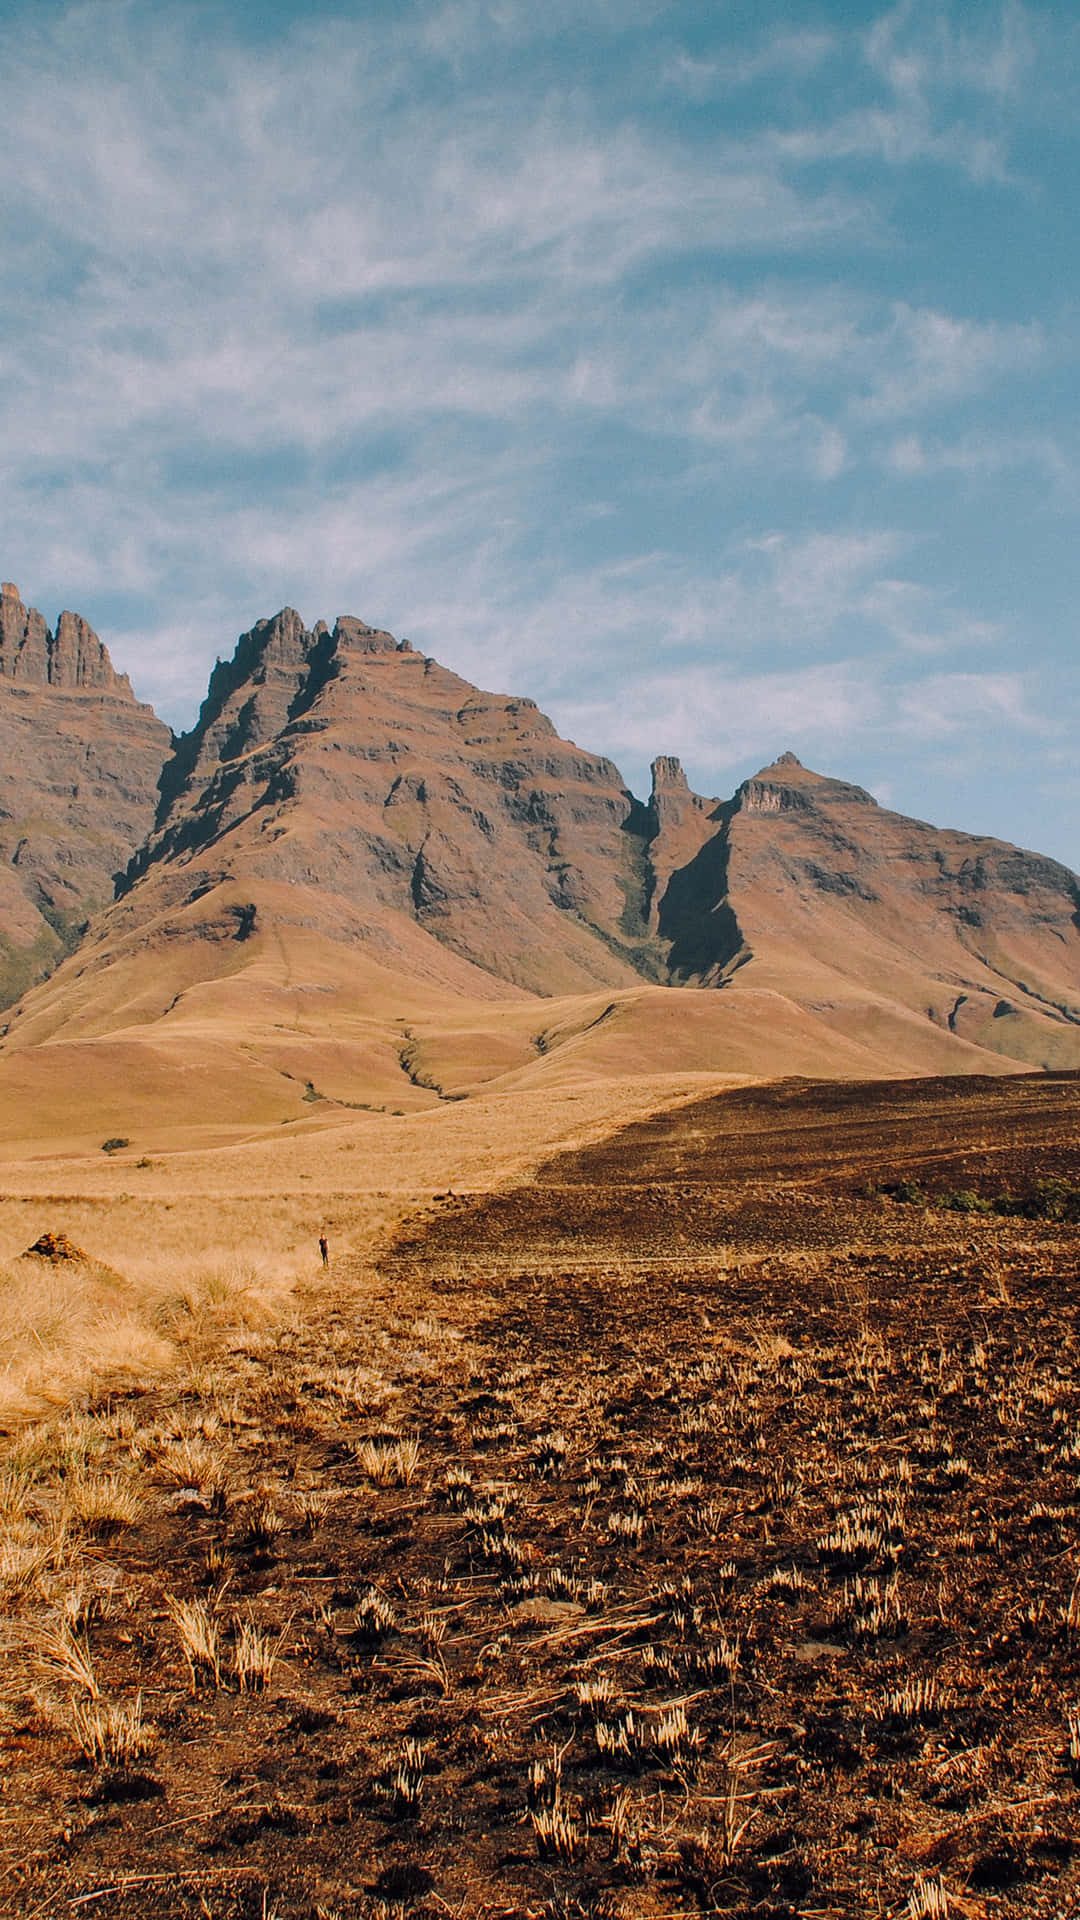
80 760
680 824
73 656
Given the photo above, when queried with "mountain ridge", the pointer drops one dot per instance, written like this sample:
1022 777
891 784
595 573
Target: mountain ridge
366 875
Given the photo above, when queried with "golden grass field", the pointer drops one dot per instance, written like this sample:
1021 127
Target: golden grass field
241 1222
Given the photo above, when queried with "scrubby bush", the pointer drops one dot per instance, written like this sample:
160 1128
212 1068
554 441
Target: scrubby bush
908 1192
964 1200
1054 1199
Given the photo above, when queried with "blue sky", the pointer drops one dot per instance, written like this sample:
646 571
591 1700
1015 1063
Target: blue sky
707 371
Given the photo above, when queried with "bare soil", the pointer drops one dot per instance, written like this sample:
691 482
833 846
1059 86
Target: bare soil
737 1571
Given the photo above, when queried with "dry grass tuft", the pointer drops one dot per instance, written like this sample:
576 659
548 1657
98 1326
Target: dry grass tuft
928 1900
102 1503
63 1325
374 1615
109 1733
65 1655
200 1639
66 1325
558 1835
389 1463
408 1780
23 1562
263 1523
254 1656
16 1492
193 1462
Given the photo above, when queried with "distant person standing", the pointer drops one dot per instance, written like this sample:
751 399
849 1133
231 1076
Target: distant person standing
324 1249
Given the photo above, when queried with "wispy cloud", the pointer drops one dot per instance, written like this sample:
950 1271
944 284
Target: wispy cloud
717 720
930 359
797 53
984 454
589 347
924 50
942 93
945 704
844 714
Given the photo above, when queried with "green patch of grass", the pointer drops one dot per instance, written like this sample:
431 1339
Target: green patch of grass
1053 1199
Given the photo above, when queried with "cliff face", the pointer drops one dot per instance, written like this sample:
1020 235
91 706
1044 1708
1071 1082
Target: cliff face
80 760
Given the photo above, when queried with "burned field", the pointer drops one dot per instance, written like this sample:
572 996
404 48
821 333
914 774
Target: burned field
694 1530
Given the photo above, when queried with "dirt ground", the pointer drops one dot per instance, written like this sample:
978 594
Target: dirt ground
691 1530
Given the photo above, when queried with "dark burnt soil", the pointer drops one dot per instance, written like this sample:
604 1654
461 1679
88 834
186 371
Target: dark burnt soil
790 1165
737 1570
826 1134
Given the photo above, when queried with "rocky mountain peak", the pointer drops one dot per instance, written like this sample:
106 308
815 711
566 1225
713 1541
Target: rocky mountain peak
671 798
667 773
80 659
349 632
282 639
70 658
370 786
24 640
249 699
785 786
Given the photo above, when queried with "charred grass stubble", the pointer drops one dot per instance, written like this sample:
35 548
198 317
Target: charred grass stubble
733 1585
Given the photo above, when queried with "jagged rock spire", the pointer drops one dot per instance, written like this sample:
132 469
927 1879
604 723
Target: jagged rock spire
71 657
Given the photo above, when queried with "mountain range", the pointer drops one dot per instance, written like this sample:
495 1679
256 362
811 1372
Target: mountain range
359 880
